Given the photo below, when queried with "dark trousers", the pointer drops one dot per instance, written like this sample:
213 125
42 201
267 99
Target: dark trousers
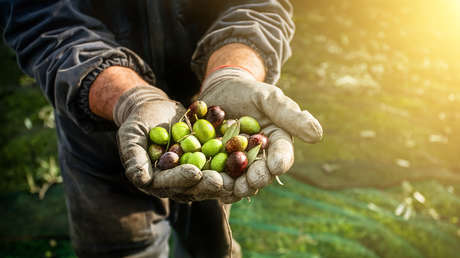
110 218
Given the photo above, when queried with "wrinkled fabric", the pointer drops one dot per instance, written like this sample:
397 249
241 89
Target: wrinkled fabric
65 44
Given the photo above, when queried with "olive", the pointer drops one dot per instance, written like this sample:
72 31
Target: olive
249 125
236 164
184 158
197 158
215 116
218 162
176 148
257 139
211 147
159 135
198 109
179 130
204 130
190 144
155 151
168 160
236 143
225 125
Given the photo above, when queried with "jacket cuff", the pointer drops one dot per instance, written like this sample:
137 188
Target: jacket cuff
86 119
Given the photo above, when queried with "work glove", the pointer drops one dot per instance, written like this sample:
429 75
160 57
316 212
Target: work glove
239 94
136 112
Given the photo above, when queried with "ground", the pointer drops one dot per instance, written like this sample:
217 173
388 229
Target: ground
381 78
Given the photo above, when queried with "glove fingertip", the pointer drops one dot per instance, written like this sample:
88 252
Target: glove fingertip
191 172
258 175
140 176
279 165
312 131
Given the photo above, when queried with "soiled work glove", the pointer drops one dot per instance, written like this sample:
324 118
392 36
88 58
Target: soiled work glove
136 112
239 94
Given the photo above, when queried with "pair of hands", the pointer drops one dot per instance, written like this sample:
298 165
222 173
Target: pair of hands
239 94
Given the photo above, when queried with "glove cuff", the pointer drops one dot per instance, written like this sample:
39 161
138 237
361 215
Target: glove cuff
136 97
226 73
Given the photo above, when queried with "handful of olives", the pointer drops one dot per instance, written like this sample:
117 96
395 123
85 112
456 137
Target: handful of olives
205 139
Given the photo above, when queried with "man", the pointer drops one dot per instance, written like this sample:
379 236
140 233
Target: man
114 69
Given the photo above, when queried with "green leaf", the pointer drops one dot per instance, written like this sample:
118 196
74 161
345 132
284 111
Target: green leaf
233 130
252 154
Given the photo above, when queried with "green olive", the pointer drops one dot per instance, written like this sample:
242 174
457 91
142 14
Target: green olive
218 162
184 158
197 158
190 144
211 147
204 130
179 130
249 125
159 135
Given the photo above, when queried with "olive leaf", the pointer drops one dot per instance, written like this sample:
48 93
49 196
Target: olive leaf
252 154
233 130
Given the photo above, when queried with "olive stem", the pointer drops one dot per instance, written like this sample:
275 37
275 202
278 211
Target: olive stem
169 138
185 136
184 115
279 180
187 121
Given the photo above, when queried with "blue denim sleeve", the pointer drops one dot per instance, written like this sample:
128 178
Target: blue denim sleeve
64 50
264 25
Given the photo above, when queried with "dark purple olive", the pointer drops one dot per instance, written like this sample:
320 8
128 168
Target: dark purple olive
257 139
215 116
168 160
236 164
176 149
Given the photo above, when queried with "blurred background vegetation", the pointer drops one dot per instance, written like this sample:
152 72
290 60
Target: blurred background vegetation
383 79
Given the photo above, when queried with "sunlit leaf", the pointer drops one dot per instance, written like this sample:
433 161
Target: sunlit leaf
252 154
232 131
